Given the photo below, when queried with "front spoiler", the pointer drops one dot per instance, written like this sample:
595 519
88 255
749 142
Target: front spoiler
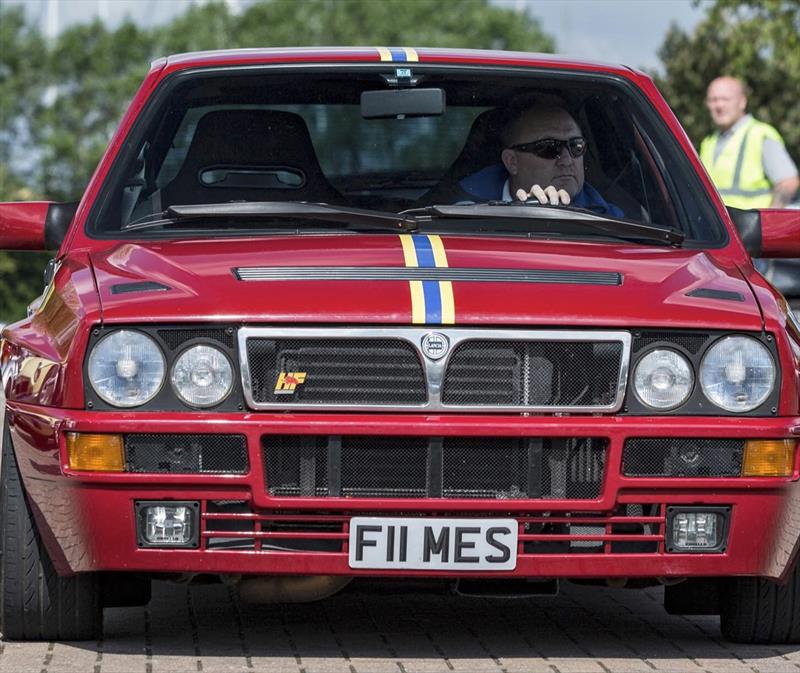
87 519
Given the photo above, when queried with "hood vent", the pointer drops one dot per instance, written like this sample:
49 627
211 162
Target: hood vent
326 273
141 286
710 293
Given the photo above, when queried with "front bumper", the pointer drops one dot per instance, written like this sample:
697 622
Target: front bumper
87 520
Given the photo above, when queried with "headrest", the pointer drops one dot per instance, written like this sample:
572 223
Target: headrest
258 155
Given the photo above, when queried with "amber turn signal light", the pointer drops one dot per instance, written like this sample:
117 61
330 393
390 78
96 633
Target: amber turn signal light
768 458
95 453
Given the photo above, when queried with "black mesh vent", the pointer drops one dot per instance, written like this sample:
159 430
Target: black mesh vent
186 454
173 338
449 467
670 457
533 373
383 466
296 465
477 467
337 371
691 342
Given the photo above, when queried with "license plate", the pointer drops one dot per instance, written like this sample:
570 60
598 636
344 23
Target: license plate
433 544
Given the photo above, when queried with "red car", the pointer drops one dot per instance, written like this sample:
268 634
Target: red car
298 332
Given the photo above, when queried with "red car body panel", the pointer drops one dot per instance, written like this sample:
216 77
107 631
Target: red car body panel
87 520
27 224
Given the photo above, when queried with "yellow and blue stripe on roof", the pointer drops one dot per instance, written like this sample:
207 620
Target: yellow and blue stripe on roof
398 54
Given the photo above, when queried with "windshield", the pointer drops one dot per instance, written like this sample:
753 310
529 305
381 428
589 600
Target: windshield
425 136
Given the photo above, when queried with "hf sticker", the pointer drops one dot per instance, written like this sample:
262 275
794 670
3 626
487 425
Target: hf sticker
288 381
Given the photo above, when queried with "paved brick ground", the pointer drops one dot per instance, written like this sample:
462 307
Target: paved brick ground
384 628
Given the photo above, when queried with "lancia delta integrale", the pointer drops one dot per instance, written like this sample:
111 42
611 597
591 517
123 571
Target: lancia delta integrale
477 317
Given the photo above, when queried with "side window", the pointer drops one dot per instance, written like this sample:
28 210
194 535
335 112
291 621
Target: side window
621 165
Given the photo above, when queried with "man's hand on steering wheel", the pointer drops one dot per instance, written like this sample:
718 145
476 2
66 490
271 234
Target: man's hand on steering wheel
549 195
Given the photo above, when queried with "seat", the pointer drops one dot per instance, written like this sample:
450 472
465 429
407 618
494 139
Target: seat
482 148
249 155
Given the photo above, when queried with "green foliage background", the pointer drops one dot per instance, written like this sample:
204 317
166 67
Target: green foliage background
60 101
755 40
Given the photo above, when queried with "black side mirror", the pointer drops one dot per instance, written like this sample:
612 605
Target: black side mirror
59 217
769 232
748 223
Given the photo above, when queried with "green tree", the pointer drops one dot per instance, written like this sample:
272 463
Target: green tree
93 74
22 82
755 40
281 23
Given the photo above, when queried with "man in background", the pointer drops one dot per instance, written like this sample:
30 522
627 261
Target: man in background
746 158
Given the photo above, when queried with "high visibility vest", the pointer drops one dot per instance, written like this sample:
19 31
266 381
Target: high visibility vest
738 171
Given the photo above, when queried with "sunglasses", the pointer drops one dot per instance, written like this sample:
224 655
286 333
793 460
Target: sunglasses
550 148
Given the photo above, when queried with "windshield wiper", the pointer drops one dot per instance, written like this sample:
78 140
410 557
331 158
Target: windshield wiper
517 217
559 217
352 218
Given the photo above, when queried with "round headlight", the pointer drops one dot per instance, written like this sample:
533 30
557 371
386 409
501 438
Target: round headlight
126 368
202 376
737 373
663 379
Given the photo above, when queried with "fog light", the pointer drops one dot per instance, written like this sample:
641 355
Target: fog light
697 530
167 524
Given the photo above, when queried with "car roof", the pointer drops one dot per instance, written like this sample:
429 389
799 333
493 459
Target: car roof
409 55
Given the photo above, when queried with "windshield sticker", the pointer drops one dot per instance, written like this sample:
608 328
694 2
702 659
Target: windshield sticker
431 300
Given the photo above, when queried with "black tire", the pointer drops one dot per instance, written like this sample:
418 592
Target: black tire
36 603
755 610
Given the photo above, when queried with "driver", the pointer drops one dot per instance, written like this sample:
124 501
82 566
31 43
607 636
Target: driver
542 159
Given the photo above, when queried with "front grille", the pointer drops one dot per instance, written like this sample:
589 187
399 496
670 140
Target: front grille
682 457
337 371
629 529
186 454
473 370
533 373
498 468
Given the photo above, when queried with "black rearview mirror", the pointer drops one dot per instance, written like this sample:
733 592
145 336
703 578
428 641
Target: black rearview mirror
388 103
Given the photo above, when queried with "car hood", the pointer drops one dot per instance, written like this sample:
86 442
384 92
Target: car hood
466 280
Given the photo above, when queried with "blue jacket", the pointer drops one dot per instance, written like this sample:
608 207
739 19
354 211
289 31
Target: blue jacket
487 185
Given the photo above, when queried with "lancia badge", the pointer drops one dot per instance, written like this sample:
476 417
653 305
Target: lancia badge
435 345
